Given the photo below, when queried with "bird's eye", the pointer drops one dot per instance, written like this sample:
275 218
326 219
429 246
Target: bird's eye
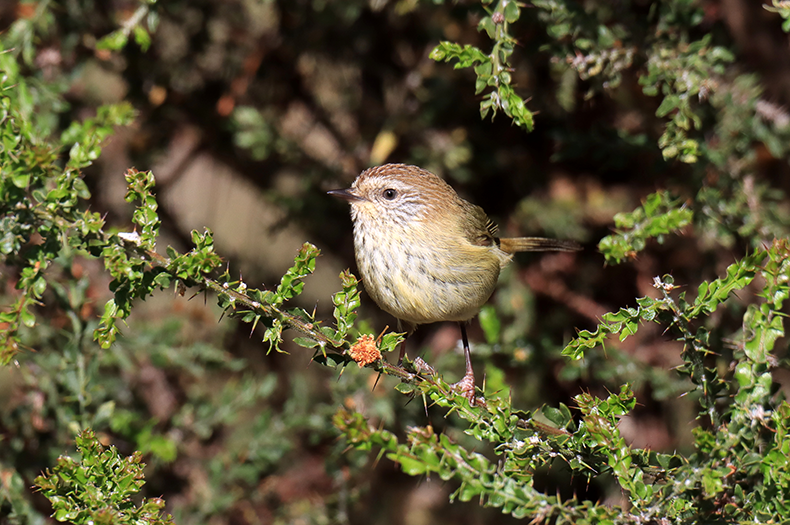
390 194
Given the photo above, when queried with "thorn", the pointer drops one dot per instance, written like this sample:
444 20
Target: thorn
411 398
378 339
378 458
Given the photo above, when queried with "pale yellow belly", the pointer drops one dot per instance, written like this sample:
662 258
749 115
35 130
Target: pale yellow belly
422 284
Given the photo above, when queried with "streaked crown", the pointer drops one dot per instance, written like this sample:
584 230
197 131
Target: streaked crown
399 192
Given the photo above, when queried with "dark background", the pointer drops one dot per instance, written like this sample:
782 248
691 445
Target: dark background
248 112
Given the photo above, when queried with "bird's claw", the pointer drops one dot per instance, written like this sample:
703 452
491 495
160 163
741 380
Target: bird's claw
466 387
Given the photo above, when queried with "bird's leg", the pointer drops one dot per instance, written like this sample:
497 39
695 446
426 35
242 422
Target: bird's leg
467 383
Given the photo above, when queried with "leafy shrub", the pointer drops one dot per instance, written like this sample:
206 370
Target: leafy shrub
714 127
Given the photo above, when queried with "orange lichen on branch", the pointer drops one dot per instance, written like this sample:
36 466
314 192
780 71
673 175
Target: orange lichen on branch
364 351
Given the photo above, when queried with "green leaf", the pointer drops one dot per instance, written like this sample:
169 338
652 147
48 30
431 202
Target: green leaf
490 324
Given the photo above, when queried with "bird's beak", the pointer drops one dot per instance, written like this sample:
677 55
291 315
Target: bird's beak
346 195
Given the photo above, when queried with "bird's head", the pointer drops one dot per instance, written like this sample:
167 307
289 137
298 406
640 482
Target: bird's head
396 194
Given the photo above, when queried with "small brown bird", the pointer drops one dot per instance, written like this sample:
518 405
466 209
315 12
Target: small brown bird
425 254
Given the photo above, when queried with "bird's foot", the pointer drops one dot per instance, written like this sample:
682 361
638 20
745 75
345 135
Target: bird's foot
423 368
466 387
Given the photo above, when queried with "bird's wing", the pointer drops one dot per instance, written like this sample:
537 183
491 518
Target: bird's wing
475 225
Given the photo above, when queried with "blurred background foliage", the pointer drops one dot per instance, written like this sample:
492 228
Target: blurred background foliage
247 111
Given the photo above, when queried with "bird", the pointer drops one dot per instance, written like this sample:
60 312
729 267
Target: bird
426 255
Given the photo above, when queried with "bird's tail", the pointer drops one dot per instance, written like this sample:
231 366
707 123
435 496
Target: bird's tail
537 244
